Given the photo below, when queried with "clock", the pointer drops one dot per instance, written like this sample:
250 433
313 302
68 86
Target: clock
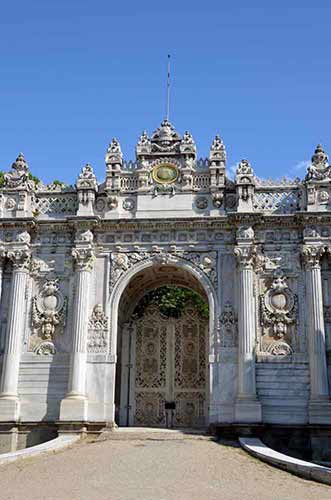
165 173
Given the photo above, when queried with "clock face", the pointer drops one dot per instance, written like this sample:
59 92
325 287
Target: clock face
165 173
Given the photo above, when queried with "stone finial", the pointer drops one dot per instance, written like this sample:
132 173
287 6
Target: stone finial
319 158
187 138
19 176
143 139
143 144
187 145
319 169
217 150
87 178
244 168
87 172
114 153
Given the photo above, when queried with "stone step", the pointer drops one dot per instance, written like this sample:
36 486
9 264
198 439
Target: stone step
151 434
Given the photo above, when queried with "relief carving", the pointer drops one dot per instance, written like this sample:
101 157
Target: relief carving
279 308
228 322
48 314
97 340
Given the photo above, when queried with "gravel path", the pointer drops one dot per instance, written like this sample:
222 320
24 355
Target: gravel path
152 470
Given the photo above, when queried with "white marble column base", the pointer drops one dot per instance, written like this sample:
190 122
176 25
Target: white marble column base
73 410
247 411
319 412
9 409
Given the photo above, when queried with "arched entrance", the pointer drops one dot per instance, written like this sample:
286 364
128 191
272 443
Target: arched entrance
162 373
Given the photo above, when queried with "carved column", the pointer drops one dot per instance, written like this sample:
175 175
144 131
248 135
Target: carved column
247 408
74 406
319 407
9 401
2 261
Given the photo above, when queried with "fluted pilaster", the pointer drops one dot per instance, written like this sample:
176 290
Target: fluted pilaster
74 406
248 408
9 404
319 406
316 330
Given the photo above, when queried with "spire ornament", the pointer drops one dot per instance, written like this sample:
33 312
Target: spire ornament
217 150
319 169
18 178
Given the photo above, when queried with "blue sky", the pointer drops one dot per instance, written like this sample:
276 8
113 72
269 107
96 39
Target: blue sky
75 73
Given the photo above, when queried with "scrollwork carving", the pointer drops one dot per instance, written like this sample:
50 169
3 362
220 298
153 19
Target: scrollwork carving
121 262
48 310
279 306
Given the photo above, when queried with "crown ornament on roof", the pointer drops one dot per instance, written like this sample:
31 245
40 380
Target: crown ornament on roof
187 145
244 168
165 138
18 178
144 145
217 150
319 169
87 178
114 153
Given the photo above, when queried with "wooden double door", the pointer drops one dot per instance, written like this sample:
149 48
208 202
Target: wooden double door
166 366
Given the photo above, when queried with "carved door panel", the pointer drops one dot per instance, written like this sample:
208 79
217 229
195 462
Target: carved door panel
190 370
170 365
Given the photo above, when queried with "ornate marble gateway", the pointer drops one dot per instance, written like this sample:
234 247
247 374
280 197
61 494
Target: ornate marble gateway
75 260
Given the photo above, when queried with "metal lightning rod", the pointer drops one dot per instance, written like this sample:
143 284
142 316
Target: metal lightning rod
168 90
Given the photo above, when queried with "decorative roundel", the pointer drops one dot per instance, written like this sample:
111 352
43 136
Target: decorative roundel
165 173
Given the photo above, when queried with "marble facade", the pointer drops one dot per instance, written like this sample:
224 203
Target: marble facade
74 261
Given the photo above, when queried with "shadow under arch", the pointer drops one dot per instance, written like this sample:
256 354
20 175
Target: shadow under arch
171 270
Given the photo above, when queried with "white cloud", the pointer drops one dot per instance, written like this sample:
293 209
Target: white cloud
300 166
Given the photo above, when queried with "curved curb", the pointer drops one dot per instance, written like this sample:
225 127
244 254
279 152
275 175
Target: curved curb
307 470
53 445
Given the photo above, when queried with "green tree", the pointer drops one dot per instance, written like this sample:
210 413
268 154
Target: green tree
172 300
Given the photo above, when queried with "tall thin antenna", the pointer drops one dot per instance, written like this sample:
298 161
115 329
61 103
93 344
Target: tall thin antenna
168 90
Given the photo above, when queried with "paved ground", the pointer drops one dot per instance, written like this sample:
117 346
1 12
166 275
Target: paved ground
152 470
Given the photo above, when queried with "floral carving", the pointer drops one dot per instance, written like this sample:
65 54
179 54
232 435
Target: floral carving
129 204
45 349
228 323
21 259
121 262
201 203
84 258
48 310
311 255
279 348
97 340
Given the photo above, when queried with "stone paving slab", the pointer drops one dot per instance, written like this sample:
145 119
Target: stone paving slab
153 470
